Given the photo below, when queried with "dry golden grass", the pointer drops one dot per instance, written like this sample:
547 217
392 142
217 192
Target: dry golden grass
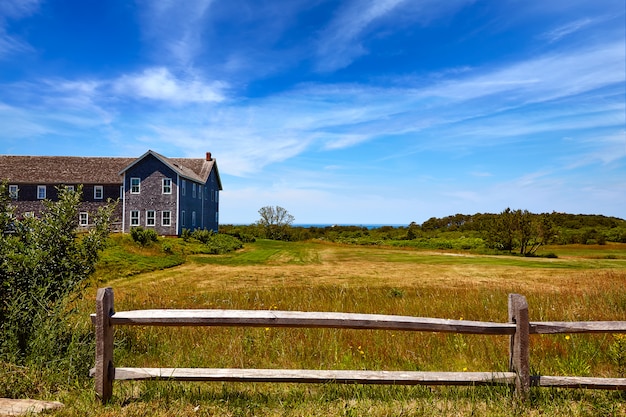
326 277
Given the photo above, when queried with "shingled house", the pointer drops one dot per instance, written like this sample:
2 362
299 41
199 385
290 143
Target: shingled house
165 194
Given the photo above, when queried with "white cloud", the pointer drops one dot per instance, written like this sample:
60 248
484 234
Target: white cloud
159 84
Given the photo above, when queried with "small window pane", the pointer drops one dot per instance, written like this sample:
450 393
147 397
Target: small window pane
135 185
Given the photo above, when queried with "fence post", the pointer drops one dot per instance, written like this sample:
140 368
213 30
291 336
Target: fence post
105 372
519 355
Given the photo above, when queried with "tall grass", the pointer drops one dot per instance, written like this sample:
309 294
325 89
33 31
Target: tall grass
323 277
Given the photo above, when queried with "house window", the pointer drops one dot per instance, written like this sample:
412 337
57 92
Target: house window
134 217
69 188
182 218
183 187
98 192
150 218
83 218
166 218
200 192
121 192
135 185
41 192
206 194
193 190
217 196
13 191
193 219
167 186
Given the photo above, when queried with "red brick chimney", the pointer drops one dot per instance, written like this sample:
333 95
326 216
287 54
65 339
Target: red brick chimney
208 156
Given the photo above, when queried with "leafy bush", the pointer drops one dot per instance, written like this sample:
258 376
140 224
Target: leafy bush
143 236
42 262
203 235
219 244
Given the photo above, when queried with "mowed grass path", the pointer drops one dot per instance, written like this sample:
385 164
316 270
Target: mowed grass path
312 276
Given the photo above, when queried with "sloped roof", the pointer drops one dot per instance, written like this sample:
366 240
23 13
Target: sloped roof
92 170
61 169
195 169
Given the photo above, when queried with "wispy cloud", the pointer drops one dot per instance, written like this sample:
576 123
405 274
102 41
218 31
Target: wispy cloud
14 9
342 40
175 29
567 29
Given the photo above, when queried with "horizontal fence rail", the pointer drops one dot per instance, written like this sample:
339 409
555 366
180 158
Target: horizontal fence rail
518 329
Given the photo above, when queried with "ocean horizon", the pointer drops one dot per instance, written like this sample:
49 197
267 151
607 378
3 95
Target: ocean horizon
323 225
366 225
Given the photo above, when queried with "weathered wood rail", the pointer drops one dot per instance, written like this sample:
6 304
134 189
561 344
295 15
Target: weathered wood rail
518 329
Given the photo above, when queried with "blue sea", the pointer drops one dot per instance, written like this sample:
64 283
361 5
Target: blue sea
368 226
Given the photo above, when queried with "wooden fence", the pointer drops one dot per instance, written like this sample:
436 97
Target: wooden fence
518 329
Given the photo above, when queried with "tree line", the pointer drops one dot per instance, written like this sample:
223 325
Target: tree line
512 230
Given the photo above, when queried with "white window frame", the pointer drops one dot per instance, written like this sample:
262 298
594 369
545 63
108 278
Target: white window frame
137 186
166 186
166 218
98 192
41 192
83 218
135 220
183 187
121 192
70 188
150 218
193 190
14 191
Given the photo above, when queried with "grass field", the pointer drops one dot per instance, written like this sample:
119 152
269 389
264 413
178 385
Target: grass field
583 283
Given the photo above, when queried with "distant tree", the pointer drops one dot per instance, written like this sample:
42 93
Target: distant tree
276 222
513 229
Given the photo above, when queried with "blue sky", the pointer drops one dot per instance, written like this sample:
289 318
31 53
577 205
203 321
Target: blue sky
383 111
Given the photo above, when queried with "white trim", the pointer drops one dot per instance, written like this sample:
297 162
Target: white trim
14 191
123 192
39 188
163 186
95 192
169 218
138 185
177 216
153 218
80 218
138 218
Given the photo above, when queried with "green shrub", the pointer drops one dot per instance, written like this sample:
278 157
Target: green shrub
143 236
219 244
203 235
42 264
